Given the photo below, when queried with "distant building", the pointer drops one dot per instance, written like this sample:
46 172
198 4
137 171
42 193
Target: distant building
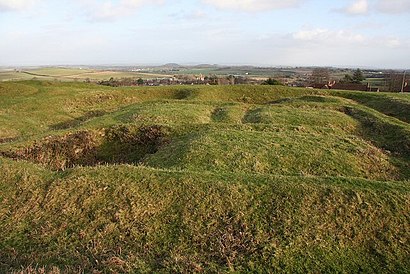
320 86
350 86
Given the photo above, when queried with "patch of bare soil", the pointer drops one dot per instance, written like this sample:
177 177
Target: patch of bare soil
116 145
8 140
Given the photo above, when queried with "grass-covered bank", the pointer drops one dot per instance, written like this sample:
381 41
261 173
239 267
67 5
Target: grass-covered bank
125 218
202 179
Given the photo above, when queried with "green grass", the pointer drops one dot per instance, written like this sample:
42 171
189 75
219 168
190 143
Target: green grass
392 104
12 75
274 153
203 179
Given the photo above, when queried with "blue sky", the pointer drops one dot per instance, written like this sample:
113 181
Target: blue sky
365 33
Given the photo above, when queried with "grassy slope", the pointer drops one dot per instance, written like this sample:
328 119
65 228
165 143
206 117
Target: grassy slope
253 179
392 104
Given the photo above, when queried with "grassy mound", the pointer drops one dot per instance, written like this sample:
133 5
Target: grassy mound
254 151
202 179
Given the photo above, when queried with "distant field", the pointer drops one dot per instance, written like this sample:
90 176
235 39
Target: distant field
69 74
376 82
12 75
104 75
72 74
56 72
251 72
214 179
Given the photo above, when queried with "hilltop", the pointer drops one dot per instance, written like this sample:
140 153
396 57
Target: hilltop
203 179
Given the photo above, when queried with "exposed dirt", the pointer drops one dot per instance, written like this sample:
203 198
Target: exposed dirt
116 145
8 140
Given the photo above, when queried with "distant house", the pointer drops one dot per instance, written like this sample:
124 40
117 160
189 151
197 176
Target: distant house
350 86
320 86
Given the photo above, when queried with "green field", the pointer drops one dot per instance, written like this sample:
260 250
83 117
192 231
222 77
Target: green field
212 179
72 74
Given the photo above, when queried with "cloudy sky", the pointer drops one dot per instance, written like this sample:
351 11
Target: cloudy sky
365 33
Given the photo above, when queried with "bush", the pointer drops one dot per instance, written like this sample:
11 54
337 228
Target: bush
272 82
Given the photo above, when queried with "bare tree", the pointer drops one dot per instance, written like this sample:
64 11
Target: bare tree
395 80
320 76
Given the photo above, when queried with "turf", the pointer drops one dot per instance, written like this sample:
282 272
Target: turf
203 179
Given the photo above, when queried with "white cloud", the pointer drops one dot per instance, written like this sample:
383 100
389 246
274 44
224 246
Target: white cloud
15 5
361 7
358 7
393 43
327 47
310 35
393 6
108 11
336 37
253 5
343 39
191 15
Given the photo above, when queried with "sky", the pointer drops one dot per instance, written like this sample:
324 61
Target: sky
341 33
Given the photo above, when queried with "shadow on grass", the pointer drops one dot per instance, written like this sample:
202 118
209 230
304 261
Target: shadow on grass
78 121
183 94
388 136
252 116
395 108
310 98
